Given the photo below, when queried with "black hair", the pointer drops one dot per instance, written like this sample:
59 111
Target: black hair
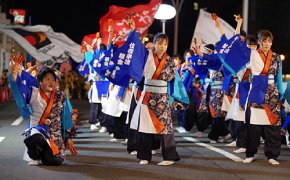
190 51
5 70
251 40
160 36
217 43
243 33
179 57
116 45
148 38
43 72
209 47
103 47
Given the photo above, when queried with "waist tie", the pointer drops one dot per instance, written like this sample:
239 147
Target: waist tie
216 85
155 86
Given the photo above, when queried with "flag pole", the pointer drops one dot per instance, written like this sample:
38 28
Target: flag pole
245 15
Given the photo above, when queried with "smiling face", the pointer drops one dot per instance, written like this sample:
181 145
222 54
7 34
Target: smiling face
48 83
265 44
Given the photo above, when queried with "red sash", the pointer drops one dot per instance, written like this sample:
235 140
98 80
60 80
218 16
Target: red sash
246 75
266 60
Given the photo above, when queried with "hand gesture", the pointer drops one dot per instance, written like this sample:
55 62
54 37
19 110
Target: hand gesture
131 24
239 19
70 143
110 30
217 24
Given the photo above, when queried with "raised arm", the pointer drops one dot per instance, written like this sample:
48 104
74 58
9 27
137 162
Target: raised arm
240 21
218 24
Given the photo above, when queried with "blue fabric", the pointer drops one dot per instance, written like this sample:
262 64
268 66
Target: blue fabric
243 89
105 88
30 80
223 38
43 129
66 118
132 57
19 98
226 83
287 92
69 104
189 78
99 85
258 91
106 68
194 93
286 123
279 82
200 70
121 91
83 68
234 54
179 92
212 61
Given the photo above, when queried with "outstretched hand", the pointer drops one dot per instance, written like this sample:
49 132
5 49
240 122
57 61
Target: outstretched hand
131 24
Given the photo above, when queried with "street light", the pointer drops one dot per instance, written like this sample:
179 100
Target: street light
165 12
282 57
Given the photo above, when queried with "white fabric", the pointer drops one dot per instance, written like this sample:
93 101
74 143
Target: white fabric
141 113
256 63
259 117
125 100
205 29
59 50
112 105
146 125
37 105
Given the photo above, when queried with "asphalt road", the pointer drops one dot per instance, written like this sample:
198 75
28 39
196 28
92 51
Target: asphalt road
99 158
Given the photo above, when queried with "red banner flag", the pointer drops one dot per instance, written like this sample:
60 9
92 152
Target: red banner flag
143 19
19 16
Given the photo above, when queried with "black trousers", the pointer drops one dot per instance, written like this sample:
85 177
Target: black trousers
241 134
203 121
95 113
219 128
272 146
147 142
119 126
39 149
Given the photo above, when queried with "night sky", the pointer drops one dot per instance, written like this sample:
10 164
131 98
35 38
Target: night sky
79 18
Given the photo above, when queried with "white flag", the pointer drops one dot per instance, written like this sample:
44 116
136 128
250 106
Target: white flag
205 29
42 43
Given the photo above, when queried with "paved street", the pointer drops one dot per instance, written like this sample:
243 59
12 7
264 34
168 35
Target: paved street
99 158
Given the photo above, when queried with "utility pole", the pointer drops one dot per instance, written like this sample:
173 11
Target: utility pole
245 15
177 8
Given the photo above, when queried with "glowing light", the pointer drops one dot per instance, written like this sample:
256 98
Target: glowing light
282 57
165 11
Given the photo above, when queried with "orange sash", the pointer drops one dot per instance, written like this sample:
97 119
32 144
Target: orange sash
49 106
157 124
266 60
246 75
49 103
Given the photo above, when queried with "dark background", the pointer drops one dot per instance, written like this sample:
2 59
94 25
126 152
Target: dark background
79 18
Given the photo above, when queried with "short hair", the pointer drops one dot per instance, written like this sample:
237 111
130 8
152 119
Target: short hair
43 72
160 36
243 33
209 47
251 40
190 51
264 34
147 39
103 47
179 57
5 70
217 43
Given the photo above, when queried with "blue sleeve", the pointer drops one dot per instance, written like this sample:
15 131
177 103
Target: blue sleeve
223 38
30 80
21 96
66 118
286 123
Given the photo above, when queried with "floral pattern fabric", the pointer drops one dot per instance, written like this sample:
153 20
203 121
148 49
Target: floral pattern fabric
159 103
